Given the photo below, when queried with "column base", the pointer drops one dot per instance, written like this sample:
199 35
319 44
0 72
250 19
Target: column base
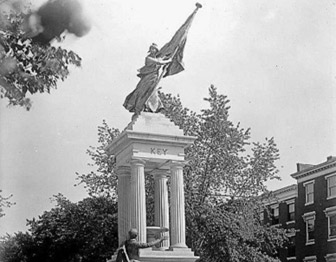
177 247
171 255
113 257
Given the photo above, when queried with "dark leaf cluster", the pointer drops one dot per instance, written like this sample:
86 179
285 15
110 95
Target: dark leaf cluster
27 66
5 203
102 181
85 231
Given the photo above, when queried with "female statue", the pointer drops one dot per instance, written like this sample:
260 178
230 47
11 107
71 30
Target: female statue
144 96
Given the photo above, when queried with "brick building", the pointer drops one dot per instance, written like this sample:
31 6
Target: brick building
315 239
308 210
282 212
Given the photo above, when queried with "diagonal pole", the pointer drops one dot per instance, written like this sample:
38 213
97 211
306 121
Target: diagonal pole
163 72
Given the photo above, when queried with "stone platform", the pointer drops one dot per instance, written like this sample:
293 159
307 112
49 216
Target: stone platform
171 255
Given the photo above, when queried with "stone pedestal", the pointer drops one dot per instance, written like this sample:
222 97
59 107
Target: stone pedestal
151 144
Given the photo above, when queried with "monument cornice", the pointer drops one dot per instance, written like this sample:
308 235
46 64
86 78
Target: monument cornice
128 137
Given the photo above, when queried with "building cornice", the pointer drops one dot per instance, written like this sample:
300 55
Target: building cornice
314 169
286 189
284 194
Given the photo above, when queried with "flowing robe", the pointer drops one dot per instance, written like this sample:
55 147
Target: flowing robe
144 95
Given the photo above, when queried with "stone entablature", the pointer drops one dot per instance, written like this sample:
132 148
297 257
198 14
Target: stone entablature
151 137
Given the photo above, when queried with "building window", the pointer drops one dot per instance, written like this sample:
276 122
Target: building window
310 226
331 186
291 212
309 192
309 219
275 215
291 248
330 257
332 226
331 216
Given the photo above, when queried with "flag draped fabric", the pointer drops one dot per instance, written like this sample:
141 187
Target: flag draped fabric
144 96
175 47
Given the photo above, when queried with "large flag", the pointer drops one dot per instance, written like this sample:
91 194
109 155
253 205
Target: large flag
175 46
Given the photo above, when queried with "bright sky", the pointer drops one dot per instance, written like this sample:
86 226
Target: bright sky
275 60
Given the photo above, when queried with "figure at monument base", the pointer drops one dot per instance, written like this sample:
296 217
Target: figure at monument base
130 249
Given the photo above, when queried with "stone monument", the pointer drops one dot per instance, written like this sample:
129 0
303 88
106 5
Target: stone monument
152 145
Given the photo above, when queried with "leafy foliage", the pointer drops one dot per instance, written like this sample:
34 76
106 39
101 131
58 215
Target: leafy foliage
17 248
225 183
218 162
103 181
84 231
4 202
230 231
27 66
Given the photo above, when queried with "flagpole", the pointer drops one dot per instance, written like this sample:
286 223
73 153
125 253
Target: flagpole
198 5
165 67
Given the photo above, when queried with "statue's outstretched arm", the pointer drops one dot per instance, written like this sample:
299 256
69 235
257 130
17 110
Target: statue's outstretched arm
160 61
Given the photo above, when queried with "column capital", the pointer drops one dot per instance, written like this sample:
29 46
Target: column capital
177 164
123 170
160 173
138 161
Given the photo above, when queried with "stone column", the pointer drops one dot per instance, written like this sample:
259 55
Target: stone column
138 199
161 203
177 235
124 223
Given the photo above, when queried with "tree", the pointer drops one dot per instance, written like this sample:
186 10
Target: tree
85 231
17 248
26 65
226 176
231 231
225 184
103 181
